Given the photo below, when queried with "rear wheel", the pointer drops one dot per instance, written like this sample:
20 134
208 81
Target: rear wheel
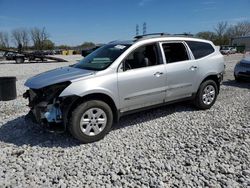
91 121
206 95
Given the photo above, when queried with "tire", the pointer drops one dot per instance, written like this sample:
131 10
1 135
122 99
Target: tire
206 95
19 60
237 79
90 112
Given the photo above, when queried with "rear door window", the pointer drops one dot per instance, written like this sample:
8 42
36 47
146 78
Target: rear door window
200 49
175 52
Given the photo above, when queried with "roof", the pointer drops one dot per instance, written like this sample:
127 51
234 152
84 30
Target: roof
157 37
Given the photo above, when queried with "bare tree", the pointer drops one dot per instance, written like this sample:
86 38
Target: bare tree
4 40
221 28
38 37
221 34
21 36
239 30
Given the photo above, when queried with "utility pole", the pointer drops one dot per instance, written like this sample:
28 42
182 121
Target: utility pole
137 30
144 28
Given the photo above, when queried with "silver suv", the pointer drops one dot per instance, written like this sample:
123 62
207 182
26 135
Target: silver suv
123 77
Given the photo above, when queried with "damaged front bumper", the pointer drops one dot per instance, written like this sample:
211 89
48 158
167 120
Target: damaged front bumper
45 105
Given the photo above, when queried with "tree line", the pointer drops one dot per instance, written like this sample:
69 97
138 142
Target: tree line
38 38
224 32
34 38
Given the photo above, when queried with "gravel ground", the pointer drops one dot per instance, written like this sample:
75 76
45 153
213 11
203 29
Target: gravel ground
172 146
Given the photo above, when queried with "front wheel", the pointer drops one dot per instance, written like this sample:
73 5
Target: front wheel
206 95
91 121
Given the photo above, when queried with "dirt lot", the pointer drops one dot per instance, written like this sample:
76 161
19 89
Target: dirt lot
170 146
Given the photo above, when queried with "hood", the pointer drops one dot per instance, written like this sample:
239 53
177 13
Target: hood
246 60
55 76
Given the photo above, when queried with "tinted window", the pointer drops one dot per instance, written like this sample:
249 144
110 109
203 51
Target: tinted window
143 56
200 49
175 52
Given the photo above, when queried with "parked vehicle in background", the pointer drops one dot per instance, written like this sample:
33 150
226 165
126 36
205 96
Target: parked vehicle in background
242 69
86 52
22 56
123 77
15 56
10 56
233 50
225 50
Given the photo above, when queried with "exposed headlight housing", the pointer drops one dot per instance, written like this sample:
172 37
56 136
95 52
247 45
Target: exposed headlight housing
47 93
54 90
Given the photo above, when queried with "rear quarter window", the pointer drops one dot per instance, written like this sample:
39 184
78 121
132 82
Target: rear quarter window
200 49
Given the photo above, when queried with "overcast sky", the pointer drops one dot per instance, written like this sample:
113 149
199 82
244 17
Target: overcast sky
101 21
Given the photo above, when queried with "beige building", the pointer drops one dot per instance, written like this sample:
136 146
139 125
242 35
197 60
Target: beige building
242 41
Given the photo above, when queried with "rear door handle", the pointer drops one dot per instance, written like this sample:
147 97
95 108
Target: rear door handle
193 68
158 74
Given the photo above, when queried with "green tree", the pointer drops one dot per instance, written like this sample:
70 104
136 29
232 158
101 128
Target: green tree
63 47
48 45
87 45
207 35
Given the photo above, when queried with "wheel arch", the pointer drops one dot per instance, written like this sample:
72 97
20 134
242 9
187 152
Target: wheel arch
215 77
94 96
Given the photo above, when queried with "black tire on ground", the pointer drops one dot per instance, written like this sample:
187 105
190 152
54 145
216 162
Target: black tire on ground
19 60
237 79
199 101
75 127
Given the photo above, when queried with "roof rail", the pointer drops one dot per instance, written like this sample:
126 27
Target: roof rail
162 34
184 34
150 34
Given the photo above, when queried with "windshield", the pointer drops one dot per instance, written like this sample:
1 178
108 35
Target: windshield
103 57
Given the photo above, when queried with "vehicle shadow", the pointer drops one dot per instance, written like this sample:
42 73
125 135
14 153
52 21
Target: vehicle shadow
23 132
233 83
155 113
